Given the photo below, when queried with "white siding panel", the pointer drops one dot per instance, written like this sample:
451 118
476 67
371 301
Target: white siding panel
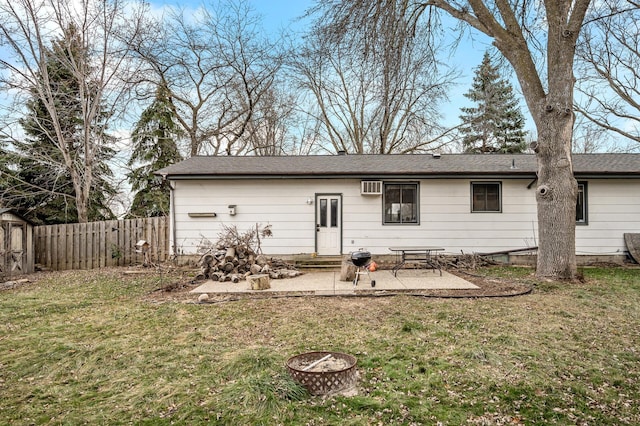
446 219
613 207
279 203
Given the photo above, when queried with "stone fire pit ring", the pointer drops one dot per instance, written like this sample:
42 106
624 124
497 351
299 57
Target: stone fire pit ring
323 372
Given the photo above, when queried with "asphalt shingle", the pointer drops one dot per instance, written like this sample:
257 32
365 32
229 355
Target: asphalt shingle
394 165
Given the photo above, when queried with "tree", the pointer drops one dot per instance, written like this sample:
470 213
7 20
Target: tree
588 137
154 147
5 173
372 91
41 190
269 130
517 29
218 67
496 123
96 61
609 63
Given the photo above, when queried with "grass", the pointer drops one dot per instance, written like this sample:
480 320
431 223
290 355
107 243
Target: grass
90 348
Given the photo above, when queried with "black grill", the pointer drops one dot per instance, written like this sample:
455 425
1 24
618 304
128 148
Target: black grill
360 258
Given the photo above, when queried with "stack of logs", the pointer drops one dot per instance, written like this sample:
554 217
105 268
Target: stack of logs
466 261
235 264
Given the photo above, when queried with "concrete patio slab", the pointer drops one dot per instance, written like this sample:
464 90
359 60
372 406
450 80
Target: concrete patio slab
328 283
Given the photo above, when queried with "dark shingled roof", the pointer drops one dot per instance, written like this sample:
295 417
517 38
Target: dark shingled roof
393 166
13 212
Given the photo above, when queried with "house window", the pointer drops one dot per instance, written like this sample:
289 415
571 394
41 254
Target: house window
581 204
323 212
486 197
334 212
400 203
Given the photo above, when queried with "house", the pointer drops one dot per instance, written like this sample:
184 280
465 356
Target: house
16 245
335 204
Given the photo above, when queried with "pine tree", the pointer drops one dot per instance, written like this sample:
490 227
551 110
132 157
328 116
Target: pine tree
155 147
5 173
496 124
43 189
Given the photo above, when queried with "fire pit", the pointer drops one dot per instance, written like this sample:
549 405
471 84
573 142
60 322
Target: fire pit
323 372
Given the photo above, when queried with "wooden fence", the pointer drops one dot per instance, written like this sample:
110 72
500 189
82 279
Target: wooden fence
101 244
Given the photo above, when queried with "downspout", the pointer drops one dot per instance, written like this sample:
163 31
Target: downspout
173 248
172 220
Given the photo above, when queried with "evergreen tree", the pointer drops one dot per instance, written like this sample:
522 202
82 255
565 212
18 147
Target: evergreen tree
43 189
155 147
5 173
496 124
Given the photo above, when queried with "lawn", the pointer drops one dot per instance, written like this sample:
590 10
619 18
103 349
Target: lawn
92 347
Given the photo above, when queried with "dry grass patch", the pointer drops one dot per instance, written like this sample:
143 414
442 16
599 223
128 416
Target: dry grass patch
89 347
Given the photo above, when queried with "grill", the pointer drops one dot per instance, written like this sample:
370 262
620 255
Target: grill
361 259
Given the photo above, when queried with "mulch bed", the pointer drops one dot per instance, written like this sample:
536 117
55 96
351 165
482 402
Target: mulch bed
488 287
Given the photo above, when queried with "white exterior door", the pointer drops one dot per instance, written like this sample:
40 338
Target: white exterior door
328 224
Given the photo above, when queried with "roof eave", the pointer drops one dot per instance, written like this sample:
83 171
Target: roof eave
376 176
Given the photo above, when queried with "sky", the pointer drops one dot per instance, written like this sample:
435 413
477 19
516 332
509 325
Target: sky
279 14
283 14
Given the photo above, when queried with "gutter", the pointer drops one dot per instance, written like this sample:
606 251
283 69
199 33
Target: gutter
365 176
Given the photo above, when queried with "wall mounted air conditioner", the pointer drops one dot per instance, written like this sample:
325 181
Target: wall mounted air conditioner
371 187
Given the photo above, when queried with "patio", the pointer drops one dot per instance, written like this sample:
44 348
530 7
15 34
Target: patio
328 283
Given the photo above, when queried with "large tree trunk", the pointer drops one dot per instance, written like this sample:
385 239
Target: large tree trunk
557 189
556 198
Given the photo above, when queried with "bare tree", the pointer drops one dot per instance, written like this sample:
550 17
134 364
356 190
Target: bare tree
527 34
27 30
218 66
269 130
609 69
588 137
373 92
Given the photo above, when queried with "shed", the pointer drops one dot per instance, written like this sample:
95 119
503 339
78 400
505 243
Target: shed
16 244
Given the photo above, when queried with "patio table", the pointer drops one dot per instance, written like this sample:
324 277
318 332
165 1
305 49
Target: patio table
416 255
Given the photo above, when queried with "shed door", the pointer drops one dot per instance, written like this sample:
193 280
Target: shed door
328 224
17 247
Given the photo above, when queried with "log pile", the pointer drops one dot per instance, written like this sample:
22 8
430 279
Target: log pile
465 261
235 264
237 255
